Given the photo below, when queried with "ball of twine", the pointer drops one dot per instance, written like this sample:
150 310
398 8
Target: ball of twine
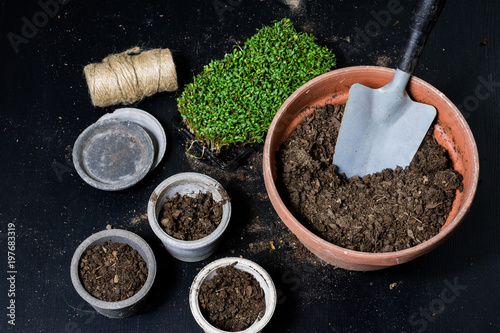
130 76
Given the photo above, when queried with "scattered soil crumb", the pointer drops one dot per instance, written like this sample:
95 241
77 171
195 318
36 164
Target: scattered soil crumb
232 300
134 220
300 251
296 6
384 61
263 196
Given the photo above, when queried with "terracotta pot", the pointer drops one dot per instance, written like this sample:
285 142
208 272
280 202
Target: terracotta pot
451 131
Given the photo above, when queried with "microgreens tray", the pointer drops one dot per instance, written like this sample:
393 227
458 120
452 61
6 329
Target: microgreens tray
229 158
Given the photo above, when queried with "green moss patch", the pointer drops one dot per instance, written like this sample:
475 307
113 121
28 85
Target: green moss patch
233 100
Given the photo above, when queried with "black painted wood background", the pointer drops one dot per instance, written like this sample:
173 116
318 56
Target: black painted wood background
44 106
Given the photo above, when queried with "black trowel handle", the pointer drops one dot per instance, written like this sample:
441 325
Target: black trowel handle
424 17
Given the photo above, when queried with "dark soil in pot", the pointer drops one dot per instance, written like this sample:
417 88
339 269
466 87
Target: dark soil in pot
112 271
188 218
387 211
232 300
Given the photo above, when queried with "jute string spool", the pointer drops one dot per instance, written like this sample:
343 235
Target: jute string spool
130 76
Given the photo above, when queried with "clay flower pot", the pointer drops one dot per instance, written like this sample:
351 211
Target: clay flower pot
451 131
188 183
209 271
132 304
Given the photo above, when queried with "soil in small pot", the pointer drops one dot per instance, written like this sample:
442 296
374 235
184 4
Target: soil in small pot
232 300
112 271
387 211
187 218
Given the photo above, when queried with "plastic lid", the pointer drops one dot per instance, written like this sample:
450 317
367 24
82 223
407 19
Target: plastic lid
113 154
149 123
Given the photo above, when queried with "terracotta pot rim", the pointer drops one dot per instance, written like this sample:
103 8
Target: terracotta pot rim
371 258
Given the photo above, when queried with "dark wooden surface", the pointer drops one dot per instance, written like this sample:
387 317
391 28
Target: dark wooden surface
44 106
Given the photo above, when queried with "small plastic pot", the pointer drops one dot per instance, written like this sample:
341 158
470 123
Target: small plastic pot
451 131
188 183
209 271
130 305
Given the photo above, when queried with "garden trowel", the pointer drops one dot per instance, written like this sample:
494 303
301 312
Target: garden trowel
383 128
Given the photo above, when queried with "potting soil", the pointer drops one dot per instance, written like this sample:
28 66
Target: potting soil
232 300
112 271
386 211
188 218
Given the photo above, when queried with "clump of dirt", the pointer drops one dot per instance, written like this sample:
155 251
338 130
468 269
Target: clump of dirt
191 218
386 211
232 300
112 272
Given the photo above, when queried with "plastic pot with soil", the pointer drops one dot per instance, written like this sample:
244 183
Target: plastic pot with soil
189 212
449 191
232 295
114 270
